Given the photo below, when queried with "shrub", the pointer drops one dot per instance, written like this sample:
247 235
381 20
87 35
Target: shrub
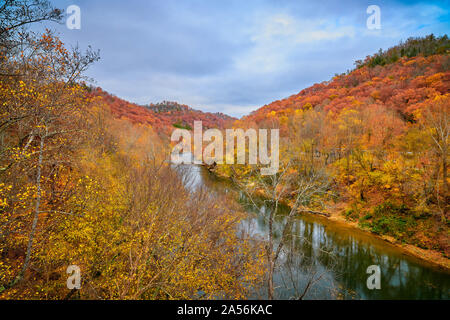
391 219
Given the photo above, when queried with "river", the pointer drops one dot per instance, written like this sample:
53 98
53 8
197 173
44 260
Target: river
333 256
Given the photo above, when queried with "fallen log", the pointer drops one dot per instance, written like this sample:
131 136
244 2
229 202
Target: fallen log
315 212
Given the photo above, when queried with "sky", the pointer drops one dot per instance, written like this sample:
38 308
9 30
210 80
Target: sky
236 56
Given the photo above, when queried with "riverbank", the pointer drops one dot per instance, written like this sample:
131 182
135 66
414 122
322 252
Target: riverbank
432 256
335 215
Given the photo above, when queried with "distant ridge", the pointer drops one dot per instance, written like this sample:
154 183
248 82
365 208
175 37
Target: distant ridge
401 78
163 116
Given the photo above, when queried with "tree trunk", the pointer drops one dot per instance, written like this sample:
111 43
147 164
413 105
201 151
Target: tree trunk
445 183
36 212
270 290
444 171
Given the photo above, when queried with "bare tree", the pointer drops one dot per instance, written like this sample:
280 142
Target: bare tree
435 121
44 128
18 13
301 189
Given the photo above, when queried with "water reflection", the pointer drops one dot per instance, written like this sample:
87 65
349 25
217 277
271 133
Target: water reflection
335 257
341 256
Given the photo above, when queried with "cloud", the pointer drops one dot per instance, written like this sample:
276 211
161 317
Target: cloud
233 56
285 28
276 38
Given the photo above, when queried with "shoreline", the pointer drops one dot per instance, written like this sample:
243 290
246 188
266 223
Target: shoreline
432 257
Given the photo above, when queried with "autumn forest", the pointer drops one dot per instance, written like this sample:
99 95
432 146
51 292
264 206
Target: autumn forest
85 178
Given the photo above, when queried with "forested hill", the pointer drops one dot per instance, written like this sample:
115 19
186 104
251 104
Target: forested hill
401 78
379 135
163 116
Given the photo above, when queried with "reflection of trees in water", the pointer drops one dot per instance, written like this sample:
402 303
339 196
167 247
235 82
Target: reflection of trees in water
347 259
339 259
310 263
399 277
300 272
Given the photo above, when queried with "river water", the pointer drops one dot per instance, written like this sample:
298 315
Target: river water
333 257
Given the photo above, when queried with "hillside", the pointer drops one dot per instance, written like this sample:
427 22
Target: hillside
84 183
162 117
378 136
402 86
92 208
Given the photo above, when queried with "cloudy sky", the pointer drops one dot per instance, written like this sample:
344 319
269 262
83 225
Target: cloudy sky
235 56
